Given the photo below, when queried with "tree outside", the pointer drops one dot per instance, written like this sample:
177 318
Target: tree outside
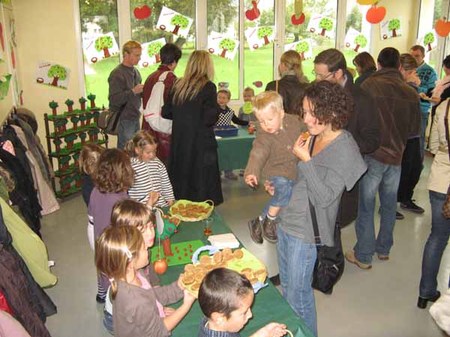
58 73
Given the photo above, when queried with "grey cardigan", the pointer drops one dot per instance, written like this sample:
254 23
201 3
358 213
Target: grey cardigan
322 179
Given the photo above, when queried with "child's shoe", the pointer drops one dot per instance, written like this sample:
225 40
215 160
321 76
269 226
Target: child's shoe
269 230
230 175
100 299
241 173
255 229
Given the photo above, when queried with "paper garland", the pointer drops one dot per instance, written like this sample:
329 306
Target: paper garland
150 52
356 40
303 47
259 36
391 28
222 45
174 22
428 41
53 74
322 25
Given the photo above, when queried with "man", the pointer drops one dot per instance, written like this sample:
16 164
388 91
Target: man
125 91
330 65
170 54
397 103
428 79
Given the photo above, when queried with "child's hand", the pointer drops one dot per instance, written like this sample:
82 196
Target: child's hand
170 202
251 180
168 311
301 149
268 186
271 330
152 198
188 299
180 282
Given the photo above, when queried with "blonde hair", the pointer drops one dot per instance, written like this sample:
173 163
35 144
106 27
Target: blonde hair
249 89
140 140
114 250
130 212
268 99
114 172
293 62
408 62
199 70
89 155
129 46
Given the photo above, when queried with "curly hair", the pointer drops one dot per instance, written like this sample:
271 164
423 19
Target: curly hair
114 172
329 103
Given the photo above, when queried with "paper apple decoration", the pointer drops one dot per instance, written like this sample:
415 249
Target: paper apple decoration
367 2
442 27
375 14
160 266
298 19
142 13
258 84
253 13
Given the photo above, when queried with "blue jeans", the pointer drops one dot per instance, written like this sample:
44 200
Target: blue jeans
108 322
423 129
435 246
296 261
384 179
127 129
283 190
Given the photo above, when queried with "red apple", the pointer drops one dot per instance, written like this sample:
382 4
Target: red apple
160 266
442 27
253 14
258 84
142 13
375 14
298 20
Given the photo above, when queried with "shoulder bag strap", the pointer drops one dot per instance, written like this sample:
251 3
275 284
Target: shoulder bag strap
276 85
317 239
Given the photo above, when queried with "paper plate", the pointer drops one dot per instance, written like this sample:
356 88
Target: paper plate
191 211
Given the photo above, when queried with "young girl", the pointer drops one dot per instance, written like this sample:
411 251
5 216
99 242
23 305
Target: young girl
89 155
138 307
246 112
150 174
113 178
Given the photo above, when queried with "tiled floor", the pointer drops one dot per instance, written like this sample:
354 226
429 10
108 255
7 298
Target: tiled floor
377 302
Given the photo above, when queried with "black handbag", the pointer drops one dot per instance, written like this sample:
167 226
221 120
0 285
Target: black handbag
108 121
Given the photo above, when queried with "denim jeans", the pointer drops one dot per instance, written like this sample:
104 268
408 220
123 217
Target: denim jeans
296 261
127 129
384 179
108 322
283 190
435 246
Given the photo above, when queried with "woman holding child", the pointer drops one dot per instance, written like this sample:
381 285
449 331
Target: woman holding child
329 162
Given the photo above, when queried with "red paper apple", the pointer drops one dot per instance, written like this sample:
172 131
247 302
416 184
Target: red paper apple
258 84
253 14
375 14
298 20
160 266
442 27
142 13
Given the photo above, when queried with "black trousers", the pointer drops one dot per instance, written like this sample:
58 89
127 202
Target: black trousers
411 169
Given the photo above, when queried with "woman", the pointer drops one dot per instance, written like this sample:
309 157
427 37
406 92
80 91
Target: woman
335 164
365 66
438 184
442 90
292 83
192 105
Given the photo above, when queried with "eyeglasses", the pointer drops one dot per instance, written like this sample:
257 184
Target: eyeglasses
322 76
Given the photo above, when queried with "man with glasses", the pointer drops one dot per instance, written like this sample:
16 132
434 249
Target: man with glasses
330 65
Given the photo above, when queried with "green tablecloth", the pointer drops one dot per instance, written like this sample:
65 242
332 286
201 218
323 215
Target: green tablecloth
233 152
269 305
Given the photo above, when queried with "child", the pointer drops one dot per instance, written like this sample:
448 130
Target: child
225 298
120 254
272 156
150 174
226 116
246 110
113 178
89 155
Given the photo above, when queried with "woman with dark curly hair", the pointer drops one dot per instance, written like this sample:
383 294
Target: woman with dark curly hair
329 162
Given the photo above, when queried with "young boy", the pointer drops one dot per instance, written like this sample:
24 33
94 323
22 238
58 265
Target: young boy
226 116
225 298
246 110
272 157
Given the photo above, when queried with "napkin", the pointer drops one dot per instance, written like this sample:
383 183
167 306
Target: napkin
222 241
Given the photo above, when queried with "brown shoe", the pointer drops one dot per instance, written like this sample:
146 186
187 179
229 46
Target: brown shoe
269 230
350 257
382 257
255 229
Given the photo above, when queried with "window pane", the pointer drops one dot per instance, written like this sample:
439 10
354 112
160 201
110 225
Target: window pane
258 47
313 33
430 11
100 52
223 42
144 29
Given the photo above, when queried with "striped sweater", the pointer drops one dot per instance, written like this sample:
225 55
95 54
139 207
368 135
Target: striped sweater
149 177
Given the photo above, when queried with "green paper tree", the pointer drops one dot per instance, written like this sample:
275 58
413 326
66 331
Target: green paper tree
226 45
360 42
64 163
88 117
169 229
91 98
74 120
301 48
83 136
58 73
53 105
179 21
104 43
69 139
76 157
57 142
82 102
326 24
393 26
428 40
264 33
153 50
60 125
82 119
93 134
69 104
65 183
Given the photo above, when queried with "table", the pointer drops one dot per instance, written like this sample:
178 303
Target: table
233 152
269 305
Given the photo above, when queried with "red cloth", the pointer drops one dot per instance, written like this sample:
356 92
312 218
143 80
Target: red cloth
4 304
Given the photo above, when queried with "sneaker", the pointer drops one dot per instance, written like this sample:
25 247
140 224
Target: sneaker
269 230
382 257
230 175
100 299
255 229
399 216
411 206
350 257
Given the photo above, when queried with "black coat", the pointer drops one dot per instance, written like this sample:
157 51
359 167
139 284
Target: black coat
292 90
193 163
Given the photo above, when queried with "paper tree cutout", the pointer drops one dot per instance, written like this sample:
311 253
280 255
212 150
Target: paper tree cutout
104 43
394 26
57 72
322 25
355 40
101 47
222 45
150 52
428 41
174 22
390 28
303 47
259 36
442 27
52 74
4 85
